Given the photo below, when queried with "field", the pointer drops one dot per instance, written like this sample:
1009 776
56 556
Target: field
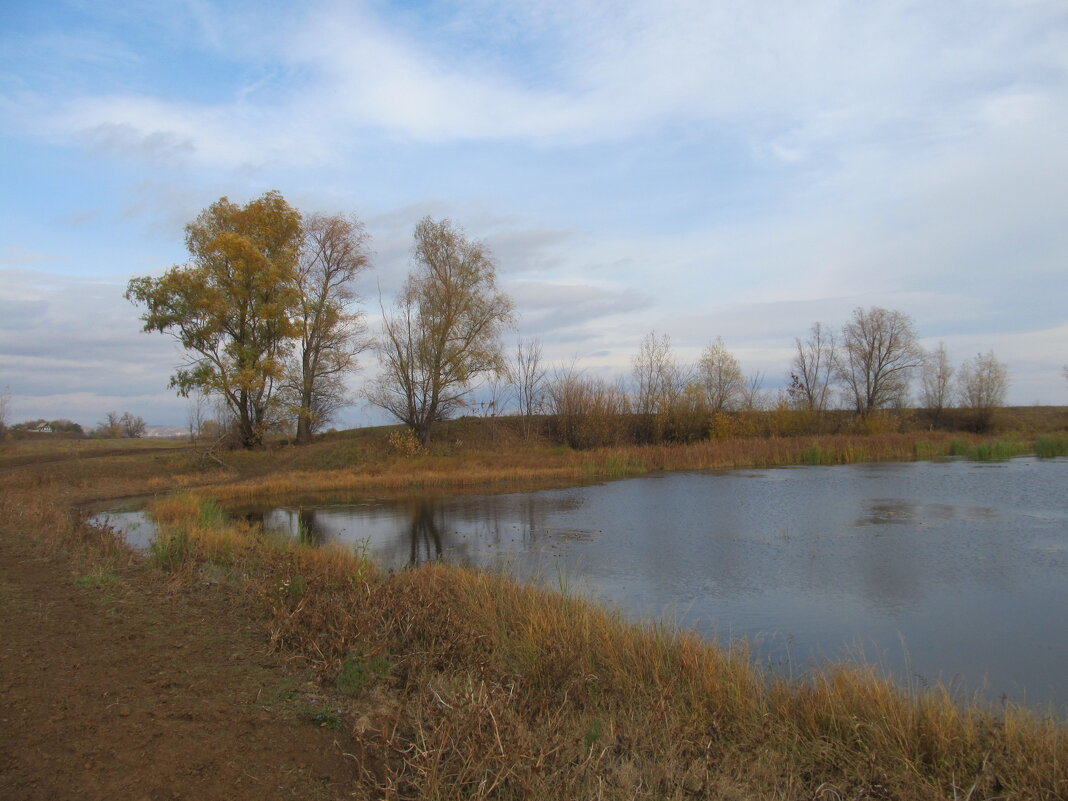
247 666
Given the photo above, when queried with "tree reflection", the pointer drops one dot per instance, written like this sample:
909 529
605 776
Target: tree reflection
424 535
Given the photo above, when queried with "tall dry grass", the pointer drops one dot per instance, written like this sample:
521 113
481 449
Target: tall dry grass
470 686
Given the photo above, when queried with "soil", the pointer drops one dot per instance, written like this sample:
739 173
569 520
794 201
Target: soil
114 685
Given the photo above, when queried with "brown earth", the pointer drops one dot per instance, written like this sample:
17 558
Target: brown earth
114 685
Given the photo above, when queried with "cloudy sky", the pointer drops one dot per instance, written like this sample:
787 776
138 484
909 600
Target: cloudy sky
704 168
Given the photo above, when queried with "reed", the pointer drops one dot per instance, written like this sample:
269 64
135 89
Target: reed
1050 447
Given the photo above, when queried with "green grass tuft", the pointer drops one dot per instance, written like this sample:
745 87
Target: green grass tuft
360 671
1051 447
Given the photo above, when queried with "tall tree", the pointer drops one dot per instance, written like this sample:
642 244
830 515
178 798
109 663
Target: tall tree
232 306
658 377
331 331
879 353
444 330
719 375
982 383
527 376
812 368
936 387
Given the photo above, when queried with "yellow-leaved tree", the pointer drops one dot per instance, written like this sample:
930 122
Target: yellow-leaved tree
232 306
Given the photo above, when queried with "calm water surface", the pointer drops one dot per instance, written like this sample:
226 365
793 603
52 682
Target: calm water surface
955 571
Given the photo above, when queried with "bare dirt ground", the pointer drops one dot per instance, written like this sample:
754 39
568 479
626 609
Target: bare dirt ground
116 686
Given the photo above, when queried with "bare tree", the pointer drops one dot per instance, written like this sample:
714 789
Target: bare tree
813 367
133 427
937 378
659 379
982 383
196 415
753 395
527 376
879 353
719 375
331 331
444 331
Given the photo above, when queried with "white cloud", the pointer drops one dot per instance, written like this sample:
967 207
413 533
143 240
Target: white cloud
796 80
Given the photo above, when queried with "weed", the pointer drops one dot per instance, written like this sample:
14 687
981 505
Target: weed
171 549
593 734
360 671
98 577
325 717
293 587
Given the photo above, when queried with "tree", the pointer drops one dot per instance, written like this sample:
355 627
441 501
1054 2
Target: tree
659 378
331 332
719 375
109 427
132 427
232 306
879 353
527 376
937 377
982 383
813 368
444 330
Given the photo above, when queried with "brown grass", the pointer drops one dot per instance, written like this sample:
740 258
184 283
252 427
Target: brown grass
541 464
468 685
491 689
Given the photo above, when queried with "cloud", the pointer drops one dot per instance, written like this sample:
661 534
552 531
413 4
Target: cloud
800 82
560 308
64 335
20 256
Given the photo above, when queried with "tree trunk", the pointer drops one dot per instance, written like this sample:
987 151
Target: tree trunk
303 427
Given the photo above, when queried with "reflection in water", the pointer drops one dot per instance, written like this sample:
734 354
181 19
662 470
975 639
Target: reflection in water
889 511
425 536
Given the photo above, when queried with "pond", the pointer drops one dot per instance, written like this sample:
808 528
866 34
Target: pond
952 571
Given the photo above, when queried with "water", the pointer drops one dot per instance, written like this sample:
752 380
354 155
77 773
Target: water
952 571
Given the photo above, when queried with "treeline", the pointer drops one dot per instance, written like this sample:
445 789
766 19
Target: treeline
267 315
864 377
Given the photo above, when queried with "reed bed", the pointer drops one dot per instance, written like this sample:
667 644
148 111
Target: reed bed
468 685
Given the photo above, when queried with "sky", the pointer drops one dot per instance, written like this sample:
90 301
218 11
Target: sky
700 168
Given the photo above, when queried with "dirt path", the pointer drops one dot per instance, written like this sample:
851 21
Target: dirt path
113 686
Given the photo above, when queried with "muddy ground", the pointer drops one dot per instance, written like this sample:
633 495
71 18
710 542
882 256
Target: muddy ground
116 686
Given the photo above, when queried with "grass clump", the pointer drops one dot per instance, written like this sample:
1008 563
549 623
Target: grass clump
1050 447
98 576
360 671
815 455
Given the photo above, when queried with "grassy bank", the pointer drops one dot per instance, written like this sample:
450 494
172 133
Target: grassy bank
468 685
451 466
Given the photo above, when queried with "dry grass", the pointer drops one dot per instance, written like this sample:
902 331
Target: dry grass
473 686
541 464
